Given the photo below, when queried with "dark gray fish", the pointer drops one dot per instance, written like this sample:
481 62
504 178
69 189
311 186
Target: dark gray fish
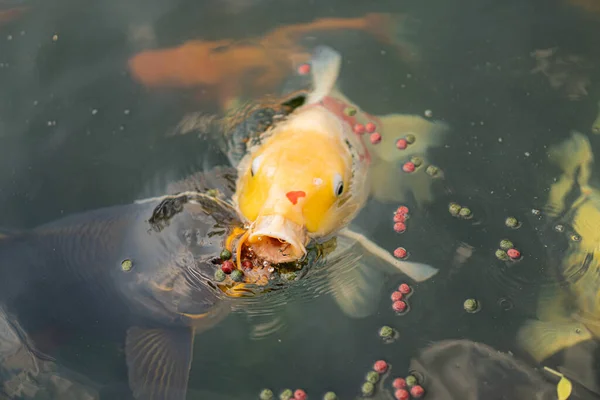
144 268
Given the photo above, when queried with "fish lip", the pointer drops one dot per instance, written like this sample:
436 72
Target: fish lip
285 240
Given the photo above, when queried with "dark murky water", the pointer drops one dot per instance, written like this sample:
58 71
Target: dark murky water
78 133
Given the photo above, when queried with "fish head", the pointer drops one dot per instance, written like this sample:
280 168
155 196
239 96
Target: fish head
302 183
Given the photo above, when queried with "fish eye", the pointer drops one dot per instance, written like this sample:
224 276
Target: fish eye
338 185
255 164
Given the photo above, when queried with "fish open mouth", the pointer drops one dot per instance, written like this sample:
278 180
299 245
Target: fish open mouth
278 240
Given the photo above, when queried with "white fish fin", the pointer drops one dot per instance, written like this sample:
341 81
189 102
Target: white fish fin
388 160
325 69
418 272
356 284
543 339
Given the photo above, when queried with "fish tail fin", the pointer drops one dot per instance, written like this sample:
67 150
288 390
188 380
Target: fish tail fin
388 159
574 157
542 339
325 68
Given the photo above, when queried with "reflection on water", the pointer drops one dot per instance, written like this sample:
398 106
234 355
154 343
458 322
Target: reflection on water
80 130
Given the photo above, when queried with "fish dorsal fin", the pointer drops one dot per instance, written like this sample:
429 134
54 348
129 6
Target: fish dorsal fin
325 67
159 361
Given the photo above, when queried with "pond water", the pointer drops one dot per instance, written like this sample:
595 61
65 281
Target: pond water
80 129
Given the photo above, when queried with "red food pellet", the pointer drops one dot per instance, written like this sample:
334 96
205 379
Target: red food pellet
375 138
400 252
513 253
303 69
380 366
397 296
399 217
401 394
299 394
399 227
402 210
227 267
417 391
399 383
370 127
359 129
404 288
247 264
408 167
399 306
402 144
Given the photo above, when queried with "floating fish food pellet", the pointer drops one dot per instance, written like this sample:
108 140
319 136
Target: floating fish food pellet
410 138
367 388
126 265
225 255
397 296
399 217
386 332
512 222
370 127
246 264
454 209
237 275
402 210
380 366
300 394
303 69
401 394
399 383
330 396
428 113
227 267
471 305
513 253
417 161
411 381
432 170
404 289
375 138
287 394
506 244
501 255
372 377
399 306
401 144
400 252
220 275
417 391
408 167
350 111
399 227
465 213
359 129
266 394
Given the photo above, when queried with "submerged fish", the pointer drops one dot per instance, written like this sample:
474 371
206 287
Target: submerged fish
569 312
309 175
114 270
224 70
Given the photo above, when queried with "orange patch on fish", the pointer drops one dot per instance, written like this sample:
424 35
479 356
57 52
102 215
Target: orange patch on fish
293 196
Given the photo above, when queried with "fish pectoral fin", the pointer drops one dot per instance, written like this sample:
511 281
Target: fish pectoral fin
542 339
379 257
388 160
159 361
